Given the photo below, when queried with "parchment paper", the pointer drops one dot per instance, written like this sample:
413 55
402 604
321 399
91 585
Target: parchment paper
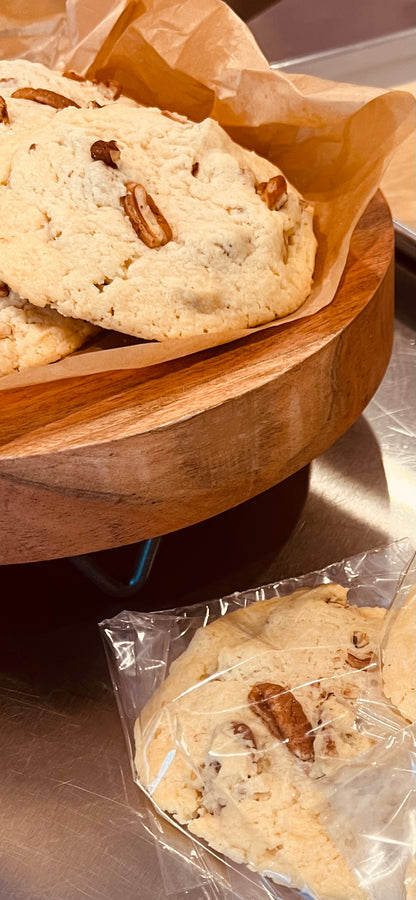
332 141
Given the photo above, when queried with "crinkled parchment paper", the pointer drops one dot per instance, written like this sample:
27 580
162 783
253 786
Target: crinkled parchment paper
333 141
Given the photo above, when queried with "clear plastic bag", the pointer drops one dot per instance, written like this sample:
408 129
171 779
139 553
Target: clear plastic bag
366 799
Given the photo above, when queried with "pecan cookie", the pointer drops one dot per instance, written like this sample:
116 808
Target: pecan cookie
31 95
252 716
51 91
33 337
152 225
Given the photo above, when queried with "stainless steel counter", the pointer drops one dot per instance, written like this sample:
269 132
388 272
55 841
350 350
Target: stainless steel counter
292 29
73 823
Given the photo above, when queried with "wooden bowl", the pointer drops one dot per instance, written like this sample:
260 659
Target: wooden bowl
99 462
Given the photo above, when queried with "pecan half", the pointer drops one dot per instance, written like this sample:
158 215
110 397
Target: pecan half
107 152
244 731
4 289
284 717
48 98
147 220
273 191
4 115
358 663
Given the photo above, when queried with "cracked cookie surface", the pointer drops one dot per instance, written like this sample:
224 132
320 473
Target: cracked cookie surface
226 260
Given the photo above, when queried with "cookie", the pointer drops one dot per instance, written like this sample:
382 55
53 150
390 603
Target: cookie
152 225
399 660
33 337
19 114
410 880
18 74
259 707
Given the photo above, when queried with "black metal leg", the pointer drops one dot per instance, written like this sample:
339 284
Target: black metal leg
143 562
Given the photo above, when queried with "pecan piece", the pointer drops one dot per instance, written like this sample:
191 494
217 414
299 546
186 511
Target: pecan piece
273 191
360 639
176 117
336 601
106 151
358 663
4 289
284 717
330 747
145 217
4 115
102 284
73 76
114 86
244 731
48 98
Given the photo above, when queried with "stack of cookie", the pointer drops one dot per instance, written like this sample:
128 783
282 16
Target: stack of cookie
31 97
137 220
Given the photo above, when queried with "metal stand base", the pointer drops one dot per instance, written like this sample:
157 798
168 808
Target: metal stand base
143 562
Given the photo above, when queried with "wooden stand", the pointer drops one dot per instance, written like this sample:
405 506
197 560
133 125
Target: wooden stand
101 462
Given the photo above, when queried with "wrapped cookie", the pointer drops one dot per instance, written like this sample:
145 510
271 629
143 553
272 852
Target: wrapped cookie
270 718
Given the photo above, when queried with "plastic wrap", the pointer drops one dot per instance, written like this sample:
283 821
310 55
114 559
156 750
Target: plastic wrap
364 800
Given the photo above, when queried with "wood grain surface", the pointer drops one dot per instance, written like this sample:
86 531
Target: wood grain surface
101 462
